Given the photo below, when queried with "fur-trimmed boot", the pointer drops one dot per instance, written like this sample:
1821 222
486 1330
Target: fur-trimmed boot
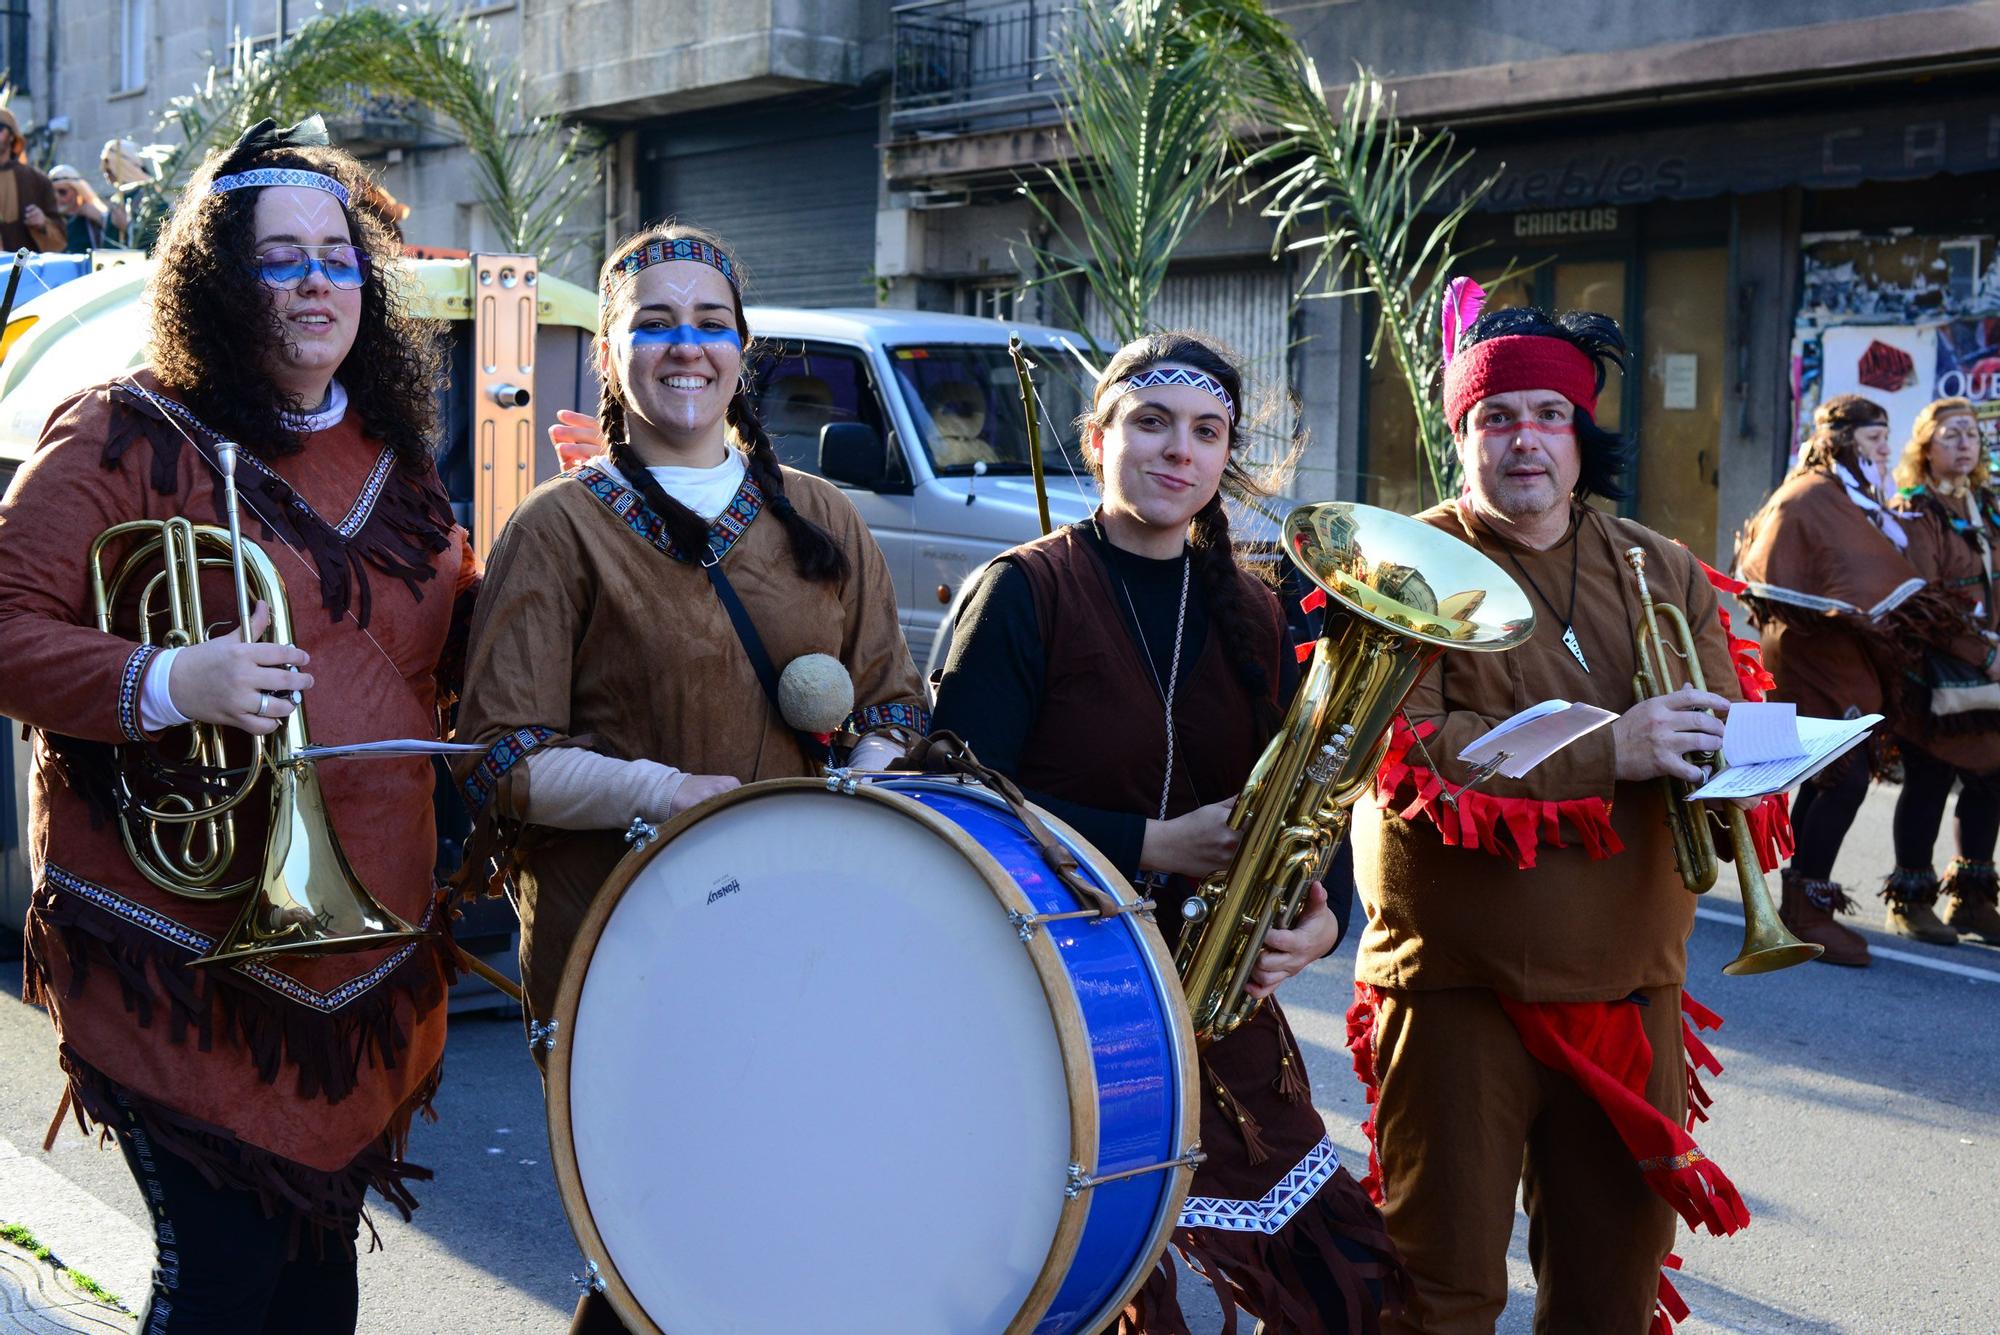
1807 908
1911 894
1971 890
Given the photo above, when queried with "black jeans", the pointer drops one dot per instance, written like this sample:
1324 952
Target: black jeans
1920 810
1824 812
222 1267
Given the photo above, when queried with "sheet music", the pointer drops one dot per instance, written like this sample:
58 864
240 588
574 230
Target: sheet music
1756 732
1515 746
1824 740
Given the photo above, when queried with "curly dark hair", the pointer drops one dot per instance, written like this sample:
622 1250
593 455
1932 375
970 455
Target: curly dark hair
1223 588
213 324
1607 457
815 553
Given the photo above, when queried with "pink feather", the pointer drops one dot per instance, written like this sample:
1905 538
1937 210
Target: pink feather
1463 300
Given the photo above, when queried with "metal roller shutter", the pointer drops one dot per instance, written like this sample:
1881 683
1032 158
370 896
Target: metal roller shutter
1249 310
790 184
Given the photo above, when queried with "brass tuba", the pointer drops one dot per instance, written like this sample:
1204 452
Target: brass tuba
1409 592
1767 945
305 899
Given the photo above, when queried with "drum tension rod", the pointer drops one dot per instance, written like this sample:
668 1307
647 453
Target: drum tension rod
1026 923
591 1280
542 1034
1080 1181
639 833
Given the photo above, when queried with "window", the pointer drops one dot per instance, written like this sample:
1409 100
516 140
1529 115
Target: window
131 44
799 388
992 301
967 405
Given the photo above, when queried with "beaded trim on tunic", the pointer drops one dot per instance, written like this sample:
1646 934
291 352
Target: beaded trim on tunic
628 505
500 757
1275 1208
160 925
357 513
128 691
913 717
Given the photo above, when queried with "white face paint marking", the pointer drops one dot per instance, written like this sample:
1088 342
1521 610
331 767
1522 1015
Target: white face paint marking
680 292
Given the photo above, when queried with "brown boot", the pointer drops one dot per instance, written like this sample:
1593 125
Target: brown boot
1911 893
1808 908
1970 890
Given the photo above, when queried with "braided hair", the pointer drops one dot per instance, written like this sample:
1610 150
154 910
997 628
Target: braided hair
1224 589
815 554
1606 456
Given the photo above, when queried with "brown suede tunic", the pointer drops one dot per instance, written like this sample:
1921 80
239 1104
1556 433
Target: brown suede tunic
1571 927
1810 537
314 1065
587 625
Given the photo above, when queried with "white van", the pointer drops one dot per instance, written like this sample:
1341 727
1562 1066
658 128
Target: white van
918 417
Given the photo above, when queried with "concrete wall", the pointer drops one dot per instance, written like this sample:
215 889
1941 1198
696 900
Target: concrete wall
619 60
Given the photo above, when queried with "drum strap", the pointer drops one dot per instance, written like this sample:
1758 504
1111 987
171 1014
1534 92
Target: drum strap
753 646
945 753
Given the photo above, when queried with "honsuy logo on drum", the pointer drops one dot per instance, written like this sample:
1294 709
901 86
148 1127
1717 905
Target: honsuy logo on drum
728 887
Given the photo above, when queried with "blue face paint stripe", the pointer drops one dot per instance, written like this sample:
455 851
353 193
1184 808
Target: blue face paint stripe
680 334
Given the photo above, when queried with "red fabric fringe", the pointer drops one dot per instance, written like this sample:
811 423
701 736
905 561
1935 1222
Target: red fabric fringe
1601 1046
1504 826
1361 1047
1771 820
1670 1306
1695 1016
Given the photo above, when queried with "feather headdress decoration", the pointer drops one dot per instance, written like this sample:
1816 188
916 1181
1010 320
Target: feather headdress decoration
1463 300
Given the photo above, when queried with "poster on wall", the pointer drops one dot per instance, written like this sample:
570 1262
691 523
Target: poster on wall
1968 367
1895 365
1902 367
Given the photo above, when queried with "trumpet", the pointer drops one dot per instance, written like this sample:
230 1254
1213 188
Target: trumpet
305 898
1767 945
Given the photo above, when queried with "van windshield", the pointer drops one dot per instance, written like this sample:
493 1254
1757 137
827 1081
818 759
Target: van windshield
966 402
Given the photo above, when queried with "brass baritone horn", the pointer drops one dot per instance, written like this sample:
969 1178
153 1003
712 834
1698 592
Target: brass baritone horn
305 899
1409 592
1767 945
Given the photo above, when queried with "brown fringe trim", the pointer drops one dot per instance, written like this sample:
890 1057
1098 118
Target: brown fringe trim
324 1206
1969 879
1291 1083
1246 1121
410 523
1339 1235
89 769
327 1050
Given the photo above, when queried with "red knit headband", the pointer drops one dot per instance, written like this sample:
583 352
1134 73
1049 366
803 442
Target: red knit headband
1516 362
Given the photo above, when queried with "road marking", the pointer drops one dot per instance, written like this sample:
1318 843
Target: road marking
1879 952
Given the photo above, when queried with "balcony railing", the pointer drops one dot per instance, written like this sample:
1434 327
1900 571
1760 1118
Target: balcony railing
958 62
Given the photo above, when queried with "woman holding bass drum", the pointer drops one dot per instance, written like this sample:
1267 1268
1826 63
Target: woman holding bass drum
644 614
1126 672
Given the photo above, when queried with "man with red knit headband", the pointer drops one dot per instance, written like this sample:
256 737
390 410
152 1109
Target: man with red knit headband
1520 1020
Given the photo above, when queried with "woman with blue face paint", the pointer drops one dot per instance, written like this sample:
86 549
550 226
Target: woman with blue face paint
608 671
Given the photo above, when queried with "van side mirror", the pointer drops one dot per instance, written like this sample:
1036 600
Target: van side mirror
852 453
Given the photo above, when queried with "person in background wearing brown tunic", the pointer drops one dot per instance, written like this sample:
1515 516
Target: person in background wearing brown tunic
1127 673
257 1102
29 215
1520 1019
604 672
1826 534
1943 474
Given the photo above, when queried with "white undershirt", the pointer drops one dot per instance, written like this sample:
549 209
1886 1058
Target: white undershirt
706 491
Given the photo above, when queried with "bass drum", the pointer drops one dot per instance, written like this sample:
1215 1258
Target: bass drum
825 1061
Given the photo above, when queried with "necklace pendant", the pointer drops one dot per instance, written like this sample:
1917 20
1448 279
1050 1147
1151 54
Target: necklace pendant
1575 649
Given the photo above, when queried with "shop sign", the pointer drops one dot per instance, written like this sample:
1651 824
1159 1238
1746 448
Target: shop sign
1550 224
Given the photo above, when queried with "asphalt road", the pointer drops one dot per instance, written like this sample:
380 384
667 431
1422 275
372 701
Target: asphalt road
1857 1113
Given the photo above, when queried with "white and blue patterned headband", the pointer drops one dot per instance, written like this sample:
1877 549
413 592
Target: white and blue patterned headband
1177 375
278 176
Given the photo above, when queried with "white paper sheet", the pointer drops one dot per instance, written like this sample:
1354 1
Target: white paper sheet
1825 740
1763 731
1516 745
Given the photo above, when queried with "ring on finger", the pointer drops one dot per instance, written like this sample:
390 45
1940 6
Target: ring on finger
261 698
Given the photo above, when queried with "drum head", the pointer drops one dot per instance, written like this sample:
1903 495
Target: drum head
810 1077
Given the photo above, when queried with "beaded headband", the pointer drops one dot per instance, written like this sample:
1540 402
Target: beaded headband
1178 375
679 248
278 176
